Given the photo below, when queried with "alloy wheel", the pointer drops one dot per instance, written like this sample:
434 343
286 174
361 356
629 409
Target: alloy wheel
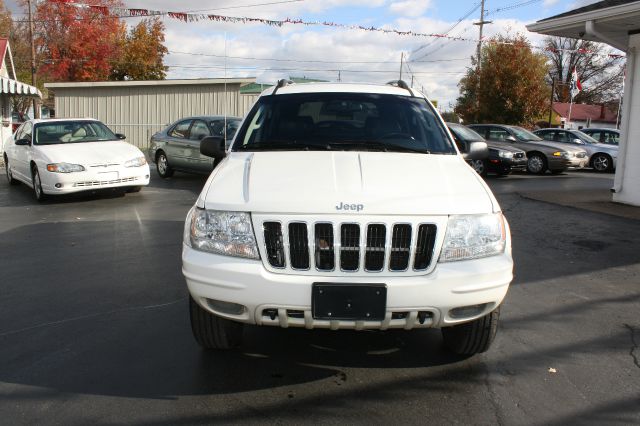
601 163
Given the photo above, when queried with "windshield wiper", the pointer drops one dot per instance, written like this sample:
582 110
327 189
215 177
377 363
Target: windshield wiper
370 145
279 146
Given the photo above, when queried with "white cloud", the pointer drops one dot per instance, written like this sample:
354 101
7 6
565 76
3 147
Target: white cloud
409 7
549 3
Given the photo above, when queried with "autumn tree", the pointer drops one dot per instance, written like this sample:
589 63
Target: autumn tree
510 87
77 44
600 70
6 24
142 53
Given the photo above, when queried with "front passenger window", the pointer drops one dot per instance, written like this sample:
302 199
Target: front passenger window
199 130
181 130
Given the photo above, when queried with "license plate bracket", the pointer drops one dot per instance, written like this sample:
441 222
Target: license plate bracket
353 302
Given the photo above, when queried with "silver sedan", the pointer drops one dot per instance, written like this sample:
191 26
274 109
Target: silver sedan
602 157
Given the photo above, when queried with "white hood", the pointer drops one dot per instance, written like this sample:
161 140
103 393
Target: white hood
313 182
87 153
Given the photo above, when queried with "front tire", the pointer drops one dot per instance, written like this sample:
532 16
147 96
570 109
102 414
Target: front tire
213 332
7 170
162 165
536 164
37 185
133 189
480 166
602 163
472 337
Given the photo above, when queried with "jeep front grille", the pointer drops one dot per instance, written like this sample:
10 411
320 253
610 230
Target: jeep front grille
349 247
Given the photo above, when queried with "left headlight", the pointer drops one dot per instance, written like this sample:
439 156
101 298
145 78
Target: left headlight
473 236
64 168
221 232
136 162
505 154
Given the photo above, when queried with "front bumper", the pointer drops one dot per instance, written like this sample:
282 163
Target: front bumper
578 163
94 178
285 300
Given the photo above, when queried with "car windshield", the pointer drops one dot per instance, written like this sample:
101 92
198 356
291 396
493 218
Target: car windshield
584 137
464 133
524 134
62 132
345 122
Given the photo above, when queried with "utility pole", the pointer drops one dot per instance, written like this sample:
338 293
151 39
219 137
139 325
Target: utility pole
36 110
412 81
479 52
339 76
553 89
401 60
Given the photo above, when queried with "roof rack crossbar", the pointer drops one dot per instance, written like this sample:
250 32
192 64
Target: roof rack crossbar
281 83
401 84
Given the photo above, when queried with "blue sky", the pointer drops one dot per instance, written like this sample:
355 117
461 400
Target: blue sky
197 49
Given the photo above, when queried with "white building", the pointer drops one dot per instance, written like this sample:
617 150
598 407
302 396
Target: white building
10 87
617 23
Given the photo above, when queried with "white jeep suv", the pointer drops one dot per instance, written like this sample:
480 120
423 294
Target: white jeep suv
345 206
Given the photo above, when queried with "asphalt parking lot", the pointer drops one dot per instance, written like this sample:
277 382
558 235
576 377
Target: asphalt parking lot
94 326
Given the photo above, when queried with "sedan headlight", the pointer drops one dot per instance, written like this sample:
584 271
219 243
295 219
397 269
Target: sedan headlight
221 232
505 154
473 236
64 168
136 162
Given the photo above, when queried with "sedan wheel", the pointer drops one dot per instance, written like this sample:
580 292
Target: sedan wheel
162 165
37 185
479 166
7 170
536 164
601 163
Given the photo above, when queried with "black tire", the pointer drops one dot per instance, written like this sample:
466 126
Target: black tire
37 185
472 337
7 170
602 163
162 165
213 332
133 189
480 166
536 164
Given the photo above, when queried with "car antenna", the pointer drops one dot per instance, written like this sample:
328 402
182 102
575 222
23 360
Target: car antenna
281 83
401 84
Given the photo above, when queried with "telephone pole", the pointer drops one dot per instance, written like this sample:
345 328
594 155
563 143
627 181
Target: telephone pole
401 60
36 112
479 53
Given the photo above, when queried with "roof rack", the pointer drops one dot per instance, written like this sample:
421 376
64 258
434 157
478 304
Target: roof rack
281 83
401 84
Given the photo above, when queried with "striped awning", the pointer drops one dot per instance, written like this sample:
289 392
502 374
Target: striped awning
15 87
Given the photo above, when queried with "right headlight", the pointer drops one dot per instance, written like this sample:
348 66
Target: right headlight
221 232
505 154
473 236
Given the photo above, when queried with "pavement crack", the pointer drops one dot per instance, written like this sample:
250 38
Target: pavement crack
634 345
82 317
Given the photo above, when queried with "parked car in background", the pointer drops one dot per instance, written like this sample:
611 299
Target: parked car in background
178 146
17 118
541 155
605 136
601 157
70 155
502 159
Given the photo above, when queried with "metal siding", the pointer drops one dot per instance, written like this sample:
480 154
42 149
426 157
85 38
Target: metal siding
140 111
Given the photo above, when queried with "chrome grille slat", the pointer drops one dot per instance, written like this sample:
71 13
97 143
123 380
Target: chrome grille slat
325 246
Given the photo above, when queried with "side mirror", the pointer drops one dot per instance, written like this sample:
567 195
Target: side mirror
120 136
23 142
213 146
476 150
578 141
510 138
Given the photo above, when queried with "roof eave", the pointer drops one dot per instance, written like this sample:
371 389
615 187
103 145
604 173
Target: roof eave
600 15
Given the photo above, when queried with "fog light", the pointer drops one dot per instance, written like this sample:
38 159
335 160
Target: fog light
467 311
226 307
58 185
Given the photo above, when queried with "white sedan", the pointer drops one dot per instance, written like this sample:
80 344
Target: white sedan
70 155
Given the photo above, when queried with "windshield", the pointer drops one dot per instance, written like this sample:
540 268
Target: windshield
59 132
464 133
584 137
524 134
343 121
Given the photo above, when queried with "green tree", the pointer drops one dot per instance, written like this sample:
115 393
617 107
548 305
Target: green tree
143 51
511 88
